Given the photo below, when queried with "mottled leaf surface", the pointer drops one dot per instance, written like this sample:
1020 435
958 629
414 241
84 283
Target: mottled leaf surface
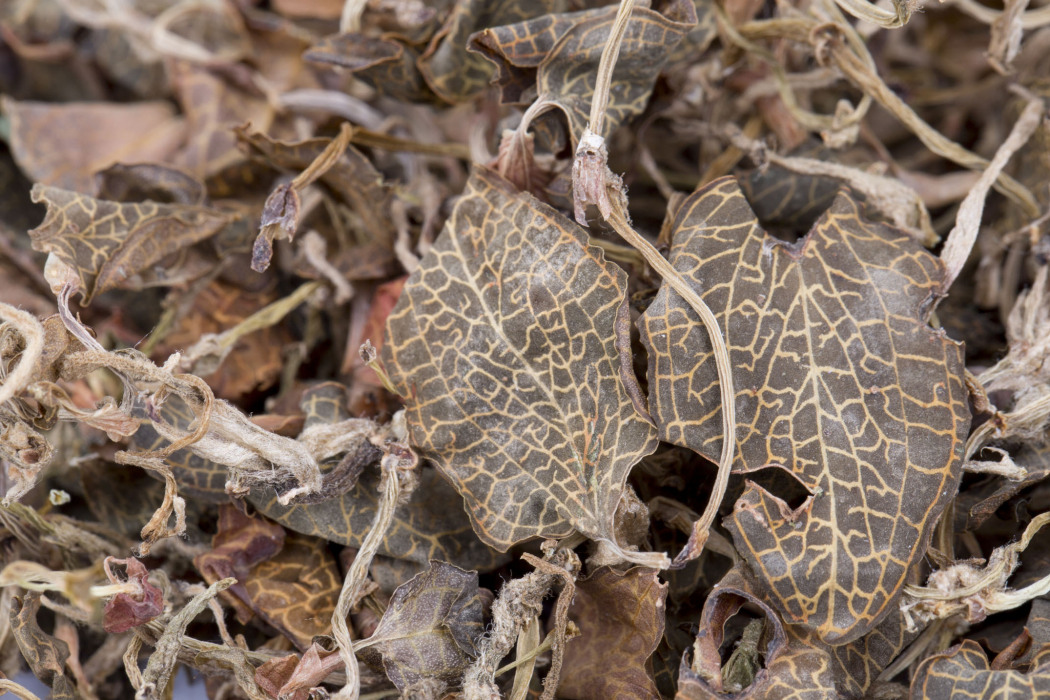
387 63
45 655
107 243
430 626
621 615
963 672
505 343
555 58
838 381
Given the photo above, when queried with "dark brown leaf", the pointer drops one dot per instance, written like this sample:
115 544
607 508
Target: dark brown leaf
838 382
387 63
621 616
142 181
430 626
554 59
504 341
45 655
106 243
963 672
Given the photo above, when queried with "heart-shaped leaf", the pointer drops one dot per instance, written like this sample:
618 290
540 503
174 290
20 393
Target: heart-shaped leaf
839 382
507 342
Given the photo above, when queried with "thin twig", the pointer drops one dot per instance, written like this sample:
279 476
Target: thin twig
32 331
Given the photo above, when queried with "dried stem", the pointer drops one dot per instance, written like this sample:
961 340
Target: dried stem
606 66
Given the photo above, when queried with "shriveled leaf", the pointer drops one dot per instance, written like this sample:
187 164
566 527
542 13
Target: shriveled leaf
64 145
621 616
963 672
505 341
127 610
141 181
556 57
296 590
456 75
106 243
45 655
430 626
387 63
240 543
980 502
838 381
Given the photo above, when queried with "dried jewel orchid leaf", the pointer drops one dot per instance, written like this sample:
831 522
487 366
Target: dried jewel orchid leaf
792 663
839 382
429 629
127 610
64 145
621 616
963 672
554 59
141 181
507 342
45 655
424 528
296 590
107 243
456 75
386 63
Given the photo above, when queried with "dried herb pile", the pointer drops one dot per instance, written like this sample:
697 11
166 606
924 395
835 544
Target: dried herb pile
504 348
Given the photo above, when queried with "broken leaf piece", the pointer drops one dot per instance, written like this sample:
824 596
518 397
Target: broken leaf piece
45 655
107 243
507 342
429 628
839 382
621 616
963 672
127 610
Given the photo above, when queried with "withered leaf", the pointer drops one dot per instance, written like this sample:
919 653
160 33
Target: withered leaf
45 655
555 59
141 181
963 672
387 63
838 381
621 616
456 75
429 628
127 610
505 343
64 145
296 590
107 243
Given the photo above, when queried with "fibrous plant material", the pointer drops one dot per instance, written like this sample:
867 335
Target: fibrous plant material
491 348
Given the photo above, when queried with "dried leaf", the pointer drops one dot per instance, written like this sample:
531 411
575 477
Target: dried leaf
963 672
621 615
429 628
45 655
838 383
127 610
556 57
296 589
64 145
386 63
106 244
505 341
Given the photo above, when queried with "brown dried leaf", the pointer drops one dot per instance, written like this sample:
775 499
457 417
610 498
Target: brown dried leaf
505 341
142 181
45 655
621 615
963 672
554 59
107 243
64 145
296 590
386 63
127 610
456 75
429 628
838 382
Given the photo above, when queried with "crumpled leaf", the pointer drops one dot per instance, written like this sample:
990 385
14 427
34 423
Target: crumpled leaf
138 182
838 383
535 424
239 544
296 589
386 63
429 628
963 672
64 145
127 610
621 616
45 655
554 59
456 75
106 243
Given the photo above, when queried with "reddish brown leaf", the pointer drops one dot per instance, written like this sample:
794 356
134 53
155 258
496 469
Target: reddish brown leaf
127 610
621 616
838 382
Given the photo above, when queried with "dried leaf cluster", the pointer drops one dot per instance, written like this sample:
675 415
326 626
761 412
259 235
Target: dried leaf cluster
562 349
